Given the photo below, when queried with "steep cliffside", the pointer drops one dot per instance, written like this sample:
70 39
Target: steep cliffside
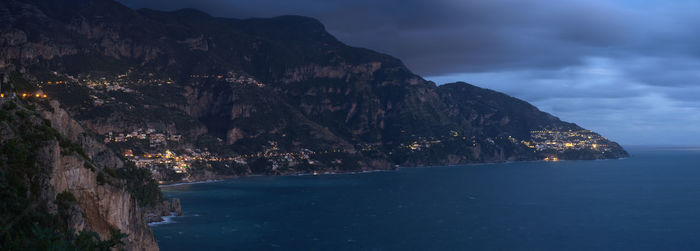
71 129
105 206
66 179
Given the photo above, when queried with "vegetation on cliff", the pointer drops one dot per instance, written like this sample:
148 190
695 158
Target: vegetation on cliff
27 221
141 185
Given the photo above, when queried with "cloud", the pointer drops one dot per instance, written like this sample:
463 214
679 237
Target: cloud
440 37
603 94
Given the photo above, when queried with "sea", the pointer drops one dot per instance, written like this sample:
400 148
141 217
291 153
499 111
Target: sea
650 201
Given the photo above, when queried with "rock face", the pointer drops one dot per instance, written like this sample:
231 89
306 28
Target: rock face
65 182
105 206
69 127
167 208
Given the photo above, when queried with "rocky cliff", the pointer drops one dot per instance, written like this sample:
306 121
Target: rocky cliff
105 206
67 178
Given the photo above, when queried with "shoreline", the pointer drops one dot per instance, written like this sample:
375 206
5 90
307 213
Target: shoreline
164 220
228 178
187 183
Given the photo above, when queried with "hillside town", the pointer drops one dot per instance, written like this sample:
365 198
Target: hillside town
155 138
159 150
149 148
544 140
122 82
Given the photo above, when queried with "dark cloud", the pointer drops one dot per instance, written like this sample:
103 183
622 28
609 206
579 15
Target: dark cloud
442 36
625 68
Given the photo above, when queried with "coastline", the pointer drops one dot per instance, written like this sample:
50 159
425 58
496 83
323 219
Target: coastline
164 220
475 190
180 183
228 178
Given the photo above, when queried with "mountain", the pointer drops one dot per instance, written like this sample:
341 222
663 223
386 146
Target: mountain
191 96
98 97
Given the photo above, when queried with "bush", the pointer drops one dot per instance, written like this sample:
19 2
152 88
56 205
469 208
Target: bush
22 114
141 185
88 240
101 178
65 200
89 166
9 106
4 115
111 172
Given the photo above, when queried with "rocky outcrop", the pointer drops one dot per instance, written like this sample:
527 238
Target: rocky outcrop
15 46
66 125
342 71
104 206
69 178
166 208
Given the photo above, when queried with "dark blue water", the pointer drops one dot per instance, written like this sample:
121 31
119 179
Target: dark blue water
648 202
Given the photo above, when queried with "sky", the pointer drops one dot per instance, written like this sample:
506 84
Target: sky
628 69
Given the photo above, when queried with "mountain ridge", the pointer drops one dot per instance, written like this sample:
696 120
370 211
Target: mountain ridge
347 96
